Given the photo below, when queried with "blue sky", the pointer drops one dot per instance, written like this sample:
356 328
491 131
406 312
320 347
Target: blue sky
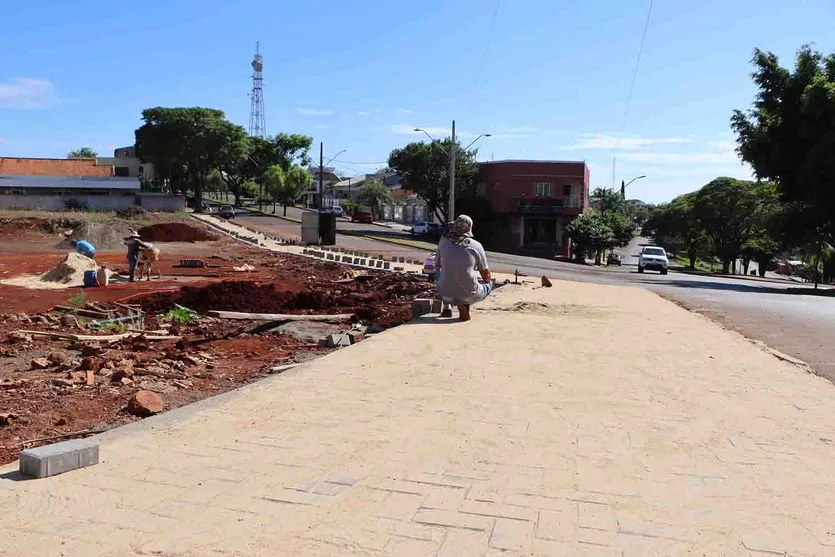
548 78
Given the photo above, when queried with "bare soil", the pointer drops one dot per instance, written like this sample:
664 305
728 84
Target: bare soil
212 355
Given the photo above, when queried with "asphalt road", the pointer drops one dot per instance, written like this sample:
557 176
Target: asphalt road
766 310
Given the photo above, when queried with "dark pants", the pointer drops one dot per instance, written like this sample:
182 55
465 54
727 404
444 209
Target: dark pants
133 261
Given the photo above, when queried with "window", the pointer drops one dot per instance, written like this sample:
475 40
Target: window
543 189
566 190
122 171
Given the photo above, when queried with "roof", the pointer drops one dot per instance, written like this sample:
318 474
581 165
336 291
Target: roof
53 167
69 182
531 161
352 182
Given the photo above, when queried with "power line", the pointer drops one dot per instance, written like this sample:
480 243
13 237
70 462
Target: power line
637 64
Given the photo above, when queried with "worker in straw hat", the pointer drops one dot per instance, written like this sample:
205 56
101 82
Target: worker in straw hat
135 245
464 275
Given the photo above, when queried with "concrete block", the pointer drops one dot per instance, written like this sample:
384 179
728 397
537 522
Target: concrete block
386 265
398 269
336 341
420 306
437 305
356 260
58 458
379 263
356 336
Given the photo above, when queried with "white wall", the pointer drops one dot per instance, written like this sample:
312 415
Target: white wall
93 202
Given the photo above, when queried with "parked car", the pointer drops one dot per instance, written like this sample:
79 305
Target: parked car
336 210
653 258
614 259
362 216
423 228
227 212
429 266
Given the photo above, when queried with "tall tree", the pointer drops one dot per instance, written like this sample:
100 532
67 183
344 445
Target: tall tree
607 200
274 180
82 153
592 235
788 135
198 139
424 169
297 180
730 212
374 194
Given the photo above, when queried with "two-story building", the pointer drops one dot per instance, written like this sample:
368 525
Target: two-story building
533 202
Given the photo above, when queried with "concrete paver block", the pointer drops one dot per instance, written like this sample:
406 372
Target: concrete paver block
421 306
58 458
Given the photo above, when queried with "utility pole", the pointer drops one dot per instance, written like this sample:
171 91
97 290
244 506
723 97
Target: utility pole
321 175
452 153
623 189
349 191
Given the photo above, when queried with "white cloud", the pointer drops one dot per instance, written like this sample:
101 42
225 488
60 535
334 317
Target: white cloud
361 113
406 129
518 130
706 157
26 92
614 141
404 111
314 111
508 135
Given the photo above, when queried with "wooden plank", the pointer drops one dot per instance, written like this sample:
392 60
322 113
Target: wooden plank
81 312
104 338
278 316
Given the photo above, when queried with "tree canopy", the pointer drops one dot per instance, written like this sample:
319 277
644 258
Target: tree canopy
374 194
195 139
591 234
788 136
424 169
82 153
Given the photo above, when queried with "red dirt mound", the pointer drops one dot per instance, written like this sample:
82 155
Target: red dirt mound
175 232
386 301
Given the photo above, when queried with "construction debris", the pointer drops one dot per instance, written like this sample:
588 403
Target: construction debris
279 317
145 403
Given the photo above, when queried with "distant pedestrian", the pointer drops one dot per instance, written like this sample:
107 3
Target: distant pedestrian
462 262
135 245
85 248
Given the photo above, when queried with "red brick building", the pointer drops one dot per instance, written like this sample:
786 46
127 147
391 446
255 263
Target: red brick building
534 201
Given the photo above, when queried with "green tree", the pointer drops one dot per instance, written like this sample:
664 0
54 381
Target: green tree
730 212
297 180
196 139
675 227
374 194
274 180
607 200
83 153
788 135
622 228
424 169
591 235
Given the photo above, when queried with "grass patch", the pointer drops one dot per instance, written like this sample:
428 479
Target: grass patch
181 315
705 266
78 301
383 237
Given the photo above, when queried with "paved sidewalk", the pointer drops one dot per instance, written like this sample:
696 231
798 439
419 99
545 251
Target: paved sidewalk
576 420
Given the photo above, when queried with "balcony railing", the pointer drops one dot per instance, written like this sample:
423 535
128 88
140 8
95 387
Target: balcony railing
545 206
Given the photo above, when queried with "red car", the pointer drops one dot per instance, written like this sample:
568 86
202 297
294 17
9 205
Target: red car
362 216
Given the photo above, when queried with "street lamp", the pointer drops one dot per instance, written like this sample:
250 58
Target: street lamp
452 154
623 186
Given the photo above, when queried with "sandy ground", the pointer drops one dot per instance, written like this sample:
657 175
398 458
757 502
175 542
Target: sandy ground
575 420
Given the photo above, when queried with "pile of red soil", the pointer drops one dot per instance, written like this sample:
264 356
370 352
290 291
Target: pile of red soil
385 301
175 232
16 227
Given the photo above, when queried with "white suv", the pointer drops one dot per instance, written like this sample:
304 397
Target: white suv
654 259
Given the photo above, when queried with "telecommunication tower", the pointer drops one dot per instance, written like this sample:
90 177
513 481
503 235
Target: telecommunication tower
257 127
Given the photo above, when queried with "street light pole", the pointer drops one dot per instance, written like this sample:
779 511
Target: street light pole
623 186
452 153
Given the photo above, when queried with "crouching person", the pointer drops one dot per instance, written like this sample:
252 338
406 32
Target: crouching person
464 275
